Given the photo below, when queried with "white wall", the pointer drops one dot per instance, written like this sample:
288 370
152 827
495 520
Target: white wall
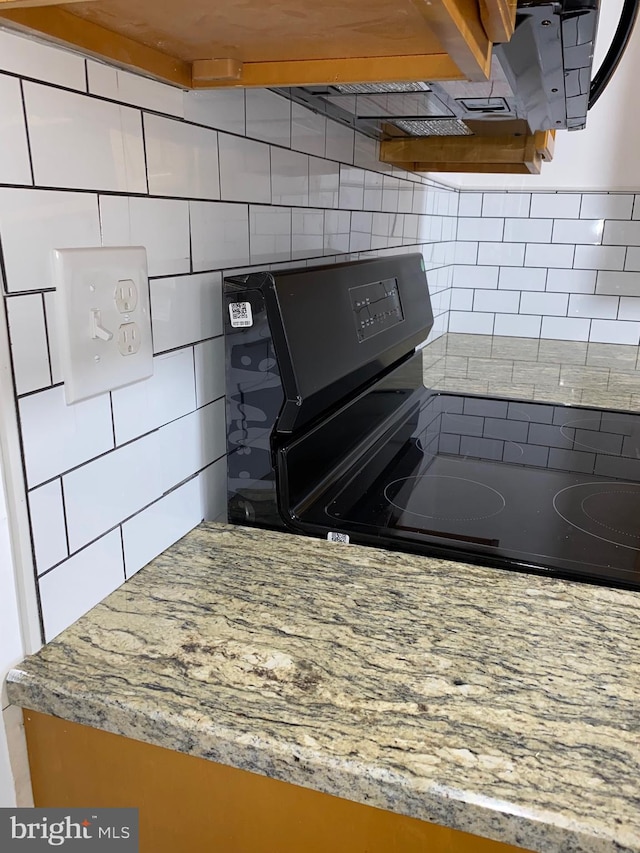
604 156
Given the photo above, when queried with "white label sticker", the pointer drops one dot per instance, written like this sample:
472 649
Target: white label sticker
240 314
338 537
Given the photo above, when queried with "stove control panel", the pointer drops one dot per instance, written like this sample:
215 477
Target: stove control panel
376 307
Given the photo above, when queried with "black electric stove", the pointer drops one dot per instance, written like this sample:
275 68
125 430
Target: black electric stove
332 433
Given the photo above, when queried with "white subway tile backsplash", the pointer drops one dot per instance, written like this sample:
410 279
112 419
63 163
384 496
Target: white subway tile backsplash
553 304
366 153
421 196
555 205
14 150
602 307
501 254
475 277
113 487
81 582
549 255
268 117
606 206
522 278
480 228
28 337
405 197
466 253
33 222
185 309
470 204
156 528
289 177
461 299
54 350
527 230
119 85
517 325
213 491
471 322
82 143
324 182
57 437
505 301
339 142
352 188
308 130
30 58
629 308
222 109
571 281
566 328
191 443
588 231
632 262
507 204
166 395
615 332
390 193
182 159
618 283
219 234
372 191
599 257
269 234
48 525
210 379
245 169
621 233
160 225
307 233
337 227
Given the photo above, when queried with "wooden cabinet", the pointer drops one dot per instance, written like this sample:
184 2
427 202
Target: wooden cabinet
204 43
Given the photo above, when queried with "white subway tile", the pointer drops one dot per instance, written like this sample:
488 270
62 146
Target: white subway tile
527 230
606 206
555 205
219 108
548 255
554 304
501 254
268 116
156 528
324 182
471 322
373 190
461 300
565 328
84 143
28 343
410 233
465 253
219 235
308 130
339 142
269 234
588 231
517 326
636 208
632 263
390 193
160 225
337 227
618 283
213 490
182 159
367 153
166 395
118 85
506 204
615 332
505 301
190 444
629 307
522 278
113 487
245 169
621 233
480 228
57 437
33 222
571 281
47 525
210 379
81 582
405 197
475 277
601 307
470 204
14 150
598 258
54 349
289 177
185 309
30 58
351 188
307 233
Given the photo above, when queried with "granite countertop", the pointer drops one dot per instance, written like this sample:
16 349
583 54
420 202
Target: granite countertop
498 703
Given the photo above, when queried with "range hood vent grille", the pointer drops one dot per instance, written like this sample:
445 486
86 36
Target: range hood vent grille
434 127
379 88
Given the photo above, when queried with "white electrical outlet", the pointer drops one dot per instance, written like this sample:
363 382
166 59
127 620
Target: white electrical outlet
103 319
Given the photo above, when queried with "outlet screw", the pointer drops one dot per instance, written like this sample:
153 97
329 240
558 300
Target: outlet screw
96 358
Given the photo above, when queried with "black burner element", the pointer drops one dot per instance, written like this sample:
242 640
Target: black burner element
448 499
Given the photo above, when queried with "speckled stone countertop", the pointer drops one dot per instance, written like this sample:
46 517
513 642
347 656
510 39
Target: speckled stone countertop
498 703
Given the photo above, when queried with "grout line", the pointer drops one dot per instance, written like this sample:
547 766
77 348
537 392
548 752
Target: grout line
46 338
64 516
144 149
124 560
26 129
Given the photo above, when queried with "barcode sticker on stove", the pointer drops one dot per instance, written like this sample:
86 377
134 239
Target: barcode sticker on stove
338 537
240 314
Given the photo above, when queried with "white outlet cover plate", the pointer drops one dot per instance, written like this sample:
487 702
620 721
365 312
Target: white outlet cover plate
86 282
